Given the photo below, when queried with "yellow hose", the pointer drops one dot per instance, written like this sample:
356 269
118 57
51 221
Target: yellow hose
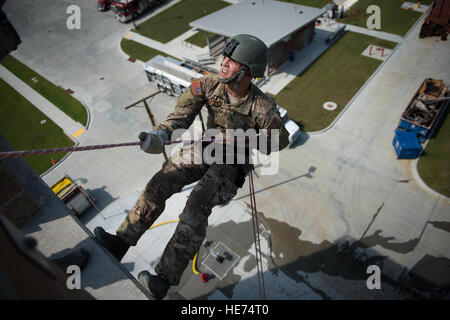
172 221
162 223
193 264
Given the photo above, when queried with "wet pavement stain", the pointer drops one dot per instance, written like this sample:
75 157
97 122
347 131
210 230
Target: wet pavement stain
443 225
292 255
377 239
431 272
250 264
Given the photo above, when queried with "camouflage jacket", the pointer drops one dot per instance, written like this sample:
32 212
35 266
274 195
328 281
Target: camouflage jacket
256 110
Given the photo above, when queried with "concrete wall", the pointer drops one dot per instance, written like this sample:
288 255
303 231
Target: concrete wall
15 203
27 200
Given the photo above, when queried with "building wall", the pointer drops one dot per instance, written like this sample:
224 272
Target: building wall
15 202
279 52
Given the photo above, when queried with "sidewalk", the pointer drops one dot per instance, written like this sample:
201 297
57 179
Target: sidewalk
70 127
376 34
177 47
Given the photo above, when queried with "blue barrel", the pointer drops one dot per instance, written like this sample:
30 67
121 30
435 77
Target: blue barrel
292 56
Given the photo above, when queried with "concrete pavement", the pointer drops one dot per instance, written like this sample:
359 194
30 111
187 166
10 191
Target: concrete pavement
359 190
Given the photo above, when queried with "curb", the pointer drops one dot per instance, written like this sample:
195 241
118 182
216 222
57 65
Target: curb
422 184
370 78
413 164
88 122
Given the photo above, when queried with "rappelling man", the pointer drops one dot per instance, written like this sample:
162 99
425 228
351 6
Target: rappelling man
232 102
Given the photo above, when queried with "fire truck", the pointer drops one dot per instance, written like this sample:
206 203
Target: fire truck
103 5
126 10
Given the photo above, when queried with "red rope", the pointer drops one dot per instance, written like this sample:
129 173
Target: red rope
35 152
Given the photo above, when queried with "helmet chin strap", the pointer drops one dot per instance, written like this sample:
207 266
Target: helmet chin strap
237 77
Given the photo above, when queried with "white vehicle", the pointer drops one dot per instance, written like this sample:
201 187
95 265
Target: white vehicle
170 75
291 126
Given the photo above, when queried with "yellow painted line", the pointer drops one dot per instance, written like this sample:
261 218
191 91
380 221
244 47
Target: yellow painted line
76 134
128 35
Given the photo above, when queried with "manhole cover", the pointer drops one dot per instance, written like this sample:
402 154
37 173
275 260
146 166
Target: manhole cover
330 106
221 269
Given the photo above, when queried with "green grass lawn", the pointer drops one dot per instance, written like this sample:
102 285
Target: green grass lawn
310 3
336 76
20 125
59 97
175 20
199 39
393 18
434 164
139 51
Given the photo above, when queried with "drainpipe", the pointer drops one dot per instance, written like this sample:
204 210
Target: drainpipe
207 41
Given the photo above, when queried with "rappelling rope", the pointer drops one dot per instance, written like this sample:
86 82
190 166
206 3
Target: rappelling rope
36 152
259 266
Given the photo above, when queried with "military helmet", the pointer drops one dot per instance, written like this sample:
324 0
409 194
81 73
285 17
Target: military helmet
248 50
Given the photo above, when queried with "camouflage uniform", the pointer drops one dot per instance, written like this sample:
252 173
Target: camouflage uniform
217 183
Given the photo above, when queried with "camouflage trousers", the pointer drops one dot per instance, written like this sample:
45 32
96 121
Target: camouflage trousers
216 186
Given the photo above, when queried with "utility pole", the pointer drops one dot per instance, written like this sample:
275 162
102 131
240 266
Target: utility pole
149 113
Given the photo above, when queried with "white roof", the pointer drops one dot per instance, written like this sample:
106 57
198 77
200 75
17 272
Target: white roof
267 20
